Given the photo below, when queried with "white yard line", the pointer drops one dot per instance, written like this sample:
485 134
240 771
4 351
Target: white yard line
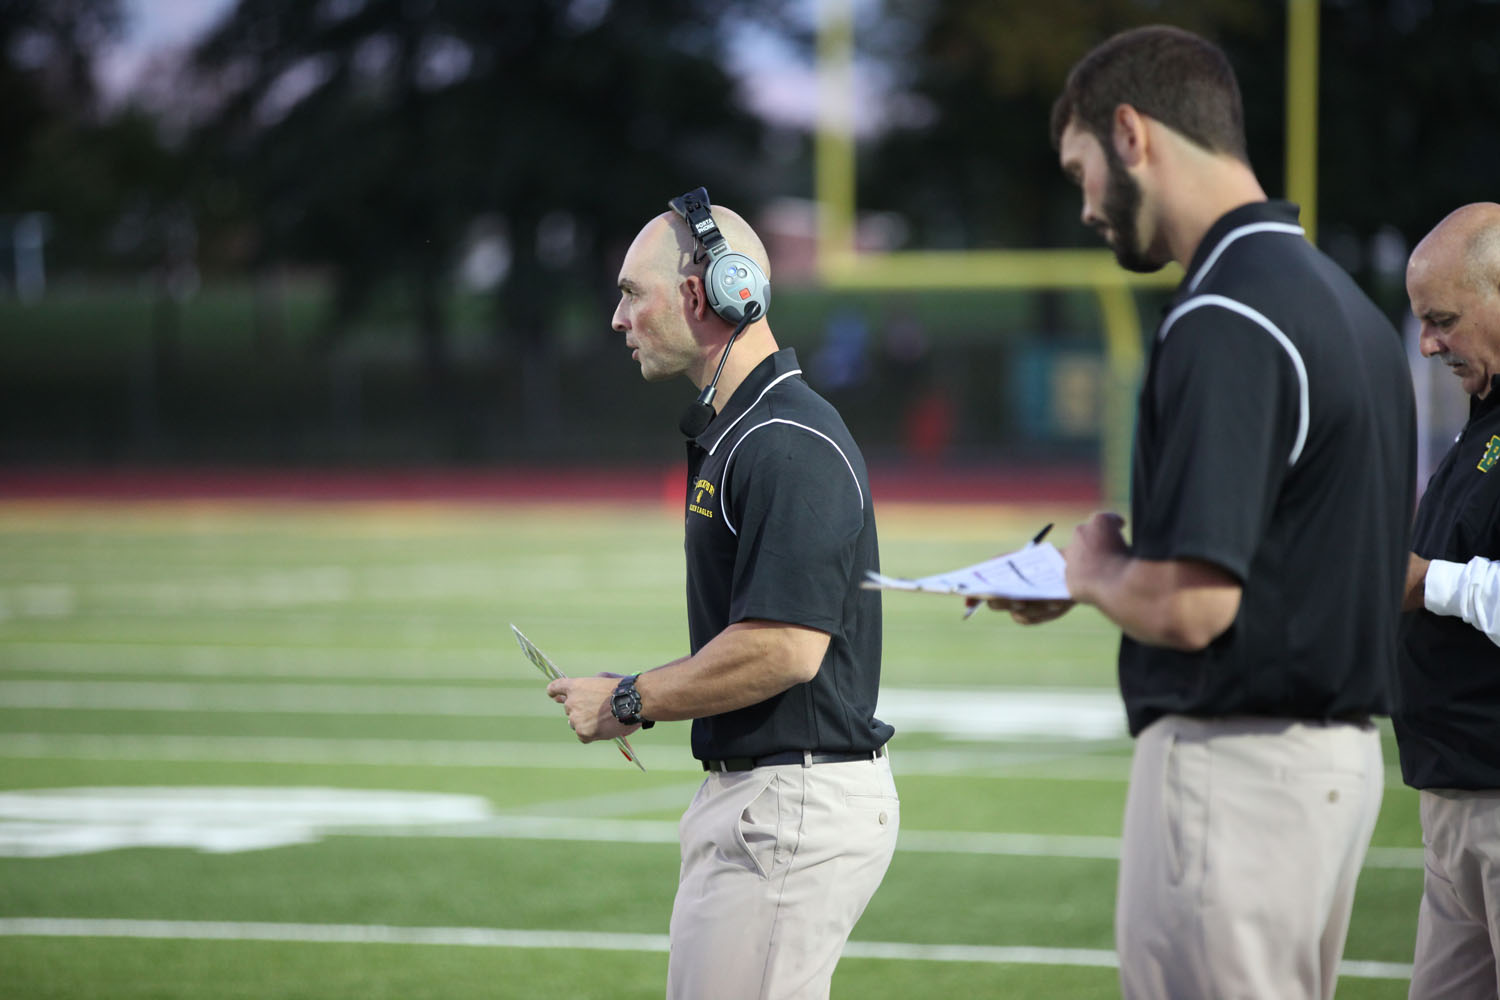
316 751
586 819
259 661
1060 717
189 589
321 699
626 803
1056 734
319 751
536 826
491 937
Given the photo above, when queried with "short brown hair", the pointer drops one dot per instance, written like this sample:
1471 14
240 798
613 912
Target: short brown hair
1173 76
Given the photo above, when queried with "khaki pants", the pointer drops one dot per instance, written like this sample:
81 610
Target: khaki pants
777 865
1458 925
1243 839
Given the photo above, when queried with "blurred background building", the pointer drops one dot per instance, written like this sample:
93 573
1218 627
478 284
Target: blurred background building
385 233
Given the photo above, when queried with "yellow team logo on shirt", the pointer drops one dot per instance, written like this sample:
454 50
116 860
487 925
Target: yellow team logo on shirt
1491 454
703 486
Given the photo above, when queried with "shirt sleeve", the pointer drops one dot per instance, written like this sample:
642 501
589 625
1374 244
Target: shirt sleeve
797 510
1226 407
1470 591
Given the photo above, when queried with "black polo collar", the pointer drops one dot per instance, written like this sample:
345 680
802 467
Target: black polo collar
1257 217
1479 407
774 368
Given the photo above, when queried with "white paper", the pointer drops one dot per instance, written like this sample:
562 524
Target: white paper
1034 573
544 663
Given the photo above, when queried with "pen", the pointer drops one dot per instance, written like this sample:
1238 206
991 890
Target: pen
1017 570
1036 539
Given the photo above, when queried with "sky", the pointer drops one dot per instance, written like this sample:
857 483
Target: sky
778 85
153 26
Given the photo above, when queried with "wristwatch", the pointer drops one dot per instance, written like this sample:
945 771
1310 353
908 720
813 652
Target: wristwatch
625 703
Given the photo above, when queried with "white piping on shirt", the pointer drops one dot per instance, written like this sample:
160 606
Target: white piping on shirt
779 378
1234 234
1271 328
778 420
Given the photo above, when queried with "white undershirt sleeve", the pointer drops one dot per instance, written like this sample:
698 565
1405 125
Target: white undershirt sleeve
1470 591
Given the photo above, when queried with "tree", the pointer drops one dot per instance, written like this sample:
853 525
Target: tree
977 170
59 149
1410 107
1409 96
367 136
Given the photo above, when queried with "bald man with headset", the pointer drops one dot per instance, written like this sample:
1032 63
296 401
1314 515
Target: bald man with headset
794 826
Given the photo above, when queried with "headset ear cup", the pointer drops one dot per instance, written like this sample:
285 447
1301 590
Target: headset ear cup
733 282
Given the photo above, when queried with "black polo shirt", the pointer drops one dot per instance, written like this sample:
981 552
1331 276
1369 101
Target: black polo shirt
1275 439
780 527
1448 719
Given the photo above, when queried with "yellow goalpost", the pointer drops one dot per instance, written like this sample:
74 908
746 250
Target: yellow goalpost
841 266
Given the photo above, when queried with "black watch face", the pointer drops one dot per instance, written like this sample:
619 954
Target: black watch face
626 704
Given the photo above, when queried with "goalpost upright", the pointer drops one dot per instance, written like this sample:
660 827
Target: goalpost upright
841 266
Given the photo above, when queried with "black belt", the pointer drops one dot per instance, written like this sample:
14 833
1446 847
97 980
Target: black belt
804 757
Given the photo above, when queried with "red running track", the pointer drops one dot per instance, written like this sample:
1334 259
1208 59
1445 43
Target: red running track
630 484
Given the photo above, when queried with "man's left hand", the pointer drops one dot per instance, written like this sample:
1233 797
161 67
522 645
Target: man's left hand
587 702
1415 596
1027 612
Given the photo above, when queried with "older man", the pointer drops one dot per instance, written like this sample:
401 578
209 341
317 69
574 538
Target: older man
1448 724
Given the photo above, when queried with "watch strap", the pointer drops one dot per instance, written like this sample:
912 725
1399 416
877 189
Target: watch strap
625 704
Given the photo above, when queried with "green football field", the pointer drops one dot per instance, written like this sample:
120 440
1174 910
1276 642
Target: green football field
259 750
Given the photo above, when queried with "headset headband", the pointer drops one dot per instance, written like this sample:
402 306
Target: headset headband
737 292
693 207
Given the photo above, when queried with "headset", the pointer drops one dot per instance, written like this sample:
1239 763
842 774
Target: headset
737 289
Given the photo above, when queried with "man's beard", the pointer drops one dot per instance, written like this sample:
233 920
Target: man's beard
1122 206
